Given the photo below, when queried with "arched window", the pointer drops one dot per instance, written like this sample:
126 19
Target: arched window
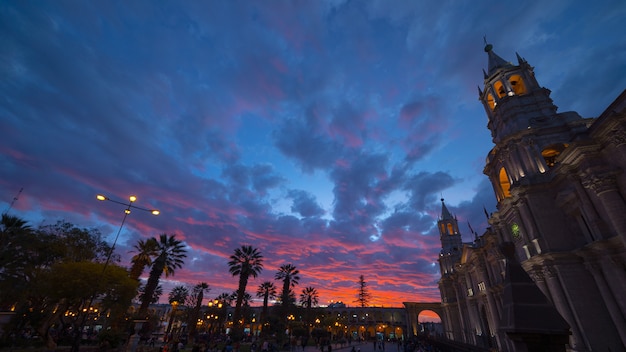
490 101
517 83
552 152
450 229
504 183
499 88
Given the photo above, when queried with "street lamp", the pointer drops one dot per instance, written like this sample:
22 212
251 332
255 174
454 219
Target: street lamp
134 338
129 206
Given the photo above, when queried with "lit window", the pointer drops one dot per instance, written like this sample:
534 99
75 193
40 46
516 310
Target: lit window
499 88
504 183
491 102
517 84
552 152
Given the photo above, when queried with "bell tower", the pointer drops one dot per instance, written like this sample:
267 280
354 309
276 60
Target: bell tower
451 244
526 129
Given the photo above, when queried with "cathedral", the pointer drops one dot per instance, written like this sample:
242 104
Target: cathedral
551 268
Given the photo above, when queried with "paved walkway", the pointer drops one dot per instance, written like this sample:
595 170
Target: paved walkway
358 346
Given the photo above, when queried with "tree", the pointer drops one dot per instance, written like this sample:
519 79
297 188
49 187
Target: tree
145 251
267 290
73 287
245 262
156 295
363 296
76 244
288 274
171 253
197 291
226 299
34 262
178 295
21 254
309 298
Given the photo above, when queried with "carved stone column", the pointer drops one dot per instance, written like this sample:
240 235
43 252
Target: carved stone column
559 300
493 310
609 299
536 274
605 186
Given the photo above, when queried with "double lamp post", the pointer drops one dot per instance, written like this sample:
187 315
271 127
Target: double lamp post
134 338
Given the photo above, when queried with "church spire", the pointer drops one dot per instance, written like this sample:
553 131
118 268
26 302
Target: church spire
450 240
445 213
495 62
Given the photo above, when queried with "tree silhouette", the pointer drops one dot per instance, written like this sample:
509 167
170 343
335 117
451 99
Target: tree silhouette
363 295
245 262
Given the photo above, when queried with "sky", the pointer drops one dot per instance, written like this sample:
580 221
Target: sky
322 133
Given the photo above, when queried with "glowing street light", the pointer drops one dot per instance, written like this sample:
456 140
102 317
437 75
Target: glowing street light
134 338
128 206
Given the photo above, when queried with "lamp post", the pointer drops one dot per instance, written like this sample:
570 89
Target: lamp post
134 338
128 206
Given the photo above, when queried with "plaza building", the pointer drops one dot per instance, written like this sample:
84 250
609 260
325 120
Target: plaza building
560 186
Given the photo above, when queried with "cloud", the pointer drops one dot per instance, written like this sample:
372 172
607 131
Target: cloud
323 133
305 204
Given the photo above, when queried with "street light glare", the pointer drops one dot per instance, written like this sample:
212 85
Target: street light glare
155 212
132 198
101 197
127 211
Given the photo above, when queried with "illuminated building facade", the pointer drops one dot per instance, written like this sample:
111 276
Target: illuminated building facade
560 183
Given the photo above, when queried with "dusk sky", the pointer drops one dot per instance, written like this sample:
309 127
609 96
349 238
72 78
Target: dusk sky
323 133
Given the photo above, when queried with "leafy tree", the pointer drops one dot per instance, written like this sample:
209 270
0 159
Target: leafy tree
72 286
34 263
71 243
145 251
267 290
288 274
245 262
171 253
363 296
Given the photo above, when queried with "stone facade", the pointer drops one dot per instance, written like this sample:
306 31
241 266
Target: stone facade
561 187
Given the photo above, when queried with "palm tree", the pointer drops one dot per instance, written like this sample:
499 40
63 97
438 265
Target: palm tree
178 295
156 295
9 222
288 274
309 298
245 302
17 259
226 299
171 253
245 262
267 290
198 292
222 303
145 250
